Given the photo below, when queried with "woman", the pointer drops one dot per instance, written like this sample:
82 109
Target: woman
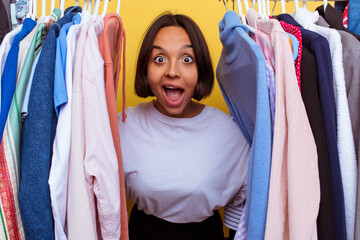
183 160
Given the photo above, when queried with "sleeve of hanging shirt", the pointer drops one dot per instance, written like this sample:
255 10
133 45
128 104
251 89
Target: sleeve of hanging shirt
100 161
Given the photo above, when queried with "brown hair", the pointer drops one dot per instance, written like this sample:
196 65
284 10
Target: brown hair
202 56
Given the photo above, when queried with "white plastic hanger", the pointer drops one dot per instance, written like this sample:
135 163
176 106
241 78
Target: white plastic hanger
90 6
242 16
263 6
34 10
96 8
30 9
283 6
304 4
85 4
267 8
118 7
259 4
43 8
325 4
106 3
52 6
62 7
296 2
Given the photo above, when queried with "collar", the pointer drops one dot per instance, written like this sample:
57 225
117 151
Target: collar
306 18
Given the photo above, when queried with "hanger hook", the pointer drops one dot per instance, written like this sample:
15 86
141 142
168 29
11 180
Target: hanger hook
225 5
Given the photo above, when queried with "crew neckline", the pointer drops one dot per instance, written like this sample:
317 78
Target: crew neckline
149 106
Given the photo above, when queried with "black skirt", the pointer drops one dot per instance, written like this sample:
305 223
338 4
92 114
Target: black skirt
148 227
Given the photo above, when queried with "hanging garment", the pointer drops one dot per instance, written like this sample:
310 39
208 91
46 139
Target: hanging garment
319 46
8 78
62 102
13 123
111 44
78 212
334 18
5 26
264 43
40 124
346 16
345 138
310 96
24 109
351 53
294 45
354 17
247 99
296 32
4 51
292 138
100 161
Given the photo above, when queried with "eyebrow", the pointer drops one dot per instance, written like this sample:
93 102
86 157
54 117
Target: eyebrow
160 48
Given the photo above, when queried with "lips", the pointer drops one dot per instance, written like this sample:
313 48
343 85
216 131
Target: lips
173 95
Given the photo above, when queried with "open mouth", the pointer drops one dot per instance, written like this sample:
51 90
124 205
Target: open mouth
173 95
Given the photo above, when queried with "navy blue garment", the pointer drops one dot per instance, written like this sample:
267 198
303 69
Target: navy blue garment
8 79
37 141
319 46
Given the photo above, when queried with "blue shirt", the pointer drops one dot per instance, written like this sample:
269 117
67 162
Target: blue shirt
294 45
319 46
37 141
241 75
8 82
60 94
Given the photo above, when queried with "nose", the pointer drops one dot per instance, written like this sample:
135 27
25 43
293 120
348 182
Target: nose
173 70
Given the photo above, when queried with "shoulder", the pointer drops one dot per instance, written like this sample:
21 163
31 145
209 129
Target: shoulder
221 120
133 113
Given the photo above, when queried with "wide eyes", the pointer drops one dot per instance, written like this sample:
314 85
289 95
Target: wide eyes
161 59
188 59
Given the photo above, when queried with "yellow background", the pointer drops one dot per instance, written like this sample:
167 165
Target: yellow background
138 14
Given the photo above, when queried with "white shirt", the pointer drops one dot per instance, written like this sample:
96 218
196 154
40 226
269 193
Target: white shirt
345 140
182 169
58 178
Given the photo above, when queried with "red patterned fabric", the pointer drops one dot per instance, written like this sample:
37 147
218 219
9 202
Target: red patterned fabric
346 16
7 198
296 32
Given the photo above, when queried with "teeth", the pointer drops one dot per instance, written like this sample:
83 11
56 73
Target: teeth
170 87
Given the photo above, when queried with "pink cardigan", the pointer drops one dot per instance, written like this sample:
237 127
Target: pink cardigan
294 191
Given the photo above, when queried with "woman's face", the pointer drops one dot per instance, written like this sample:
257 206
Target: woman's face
172 72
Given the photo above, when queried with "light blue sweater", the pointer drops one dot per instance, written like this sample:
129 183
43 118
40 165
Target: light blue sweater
242 79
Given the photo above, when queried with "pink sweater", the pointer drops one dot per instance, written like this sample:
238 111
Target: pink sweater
294 191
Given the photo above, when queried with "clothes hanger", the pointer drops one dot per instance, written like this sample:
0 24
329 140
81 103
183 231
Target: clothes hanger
96 8
263 6
304 4
242 16
52 5
28 14
268 8
62 7
325 4
283 6
225 5
118 7
90 6
259 5
85 4
34 10
105 8
43 8
296 2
